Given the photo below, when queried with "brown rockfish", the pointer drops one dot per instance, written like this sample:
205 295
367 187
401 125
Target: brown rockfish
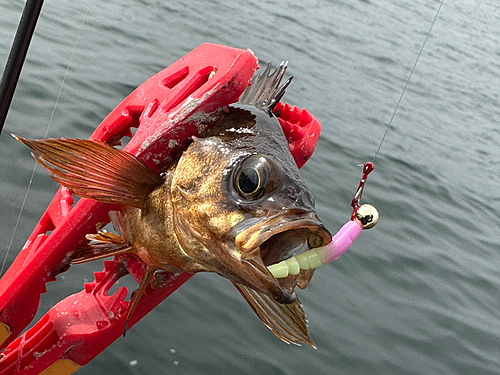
233 203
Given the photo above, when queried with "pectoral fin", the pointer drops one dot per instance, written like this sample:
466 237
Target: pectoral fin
100 246
103 245
95 170
287 321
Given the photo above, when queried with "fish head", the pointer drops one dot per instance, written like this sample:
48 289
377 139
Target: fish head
240 204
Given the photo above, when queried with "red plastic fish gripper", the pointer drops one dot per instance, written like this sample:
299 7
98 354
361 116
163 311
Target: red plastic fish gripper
166 110
162 110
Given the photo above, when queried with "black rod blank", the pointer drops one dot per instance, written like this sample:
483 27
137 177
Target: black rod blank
17 55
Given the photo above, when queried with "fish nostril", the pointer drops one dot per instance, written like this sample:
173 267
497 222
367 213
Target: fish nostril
293 193
300 197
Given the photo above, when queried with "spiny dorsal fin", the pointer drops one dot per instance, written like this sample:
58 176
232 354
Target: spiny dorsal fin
95 170
265 91
288 322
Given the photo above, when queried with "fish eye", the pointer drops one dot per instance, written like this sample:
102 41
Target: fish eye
255 177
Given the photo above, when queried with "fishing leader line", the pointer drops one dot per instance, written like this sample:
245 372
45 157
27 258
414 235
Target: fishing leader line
408 81
366 214
73 49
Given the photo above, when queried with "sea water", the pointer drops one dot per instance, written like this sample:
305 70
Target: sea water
419 293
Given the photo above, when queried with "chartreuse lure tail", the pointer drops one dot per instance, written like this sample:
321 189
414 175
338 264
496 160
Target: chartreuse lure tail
366 217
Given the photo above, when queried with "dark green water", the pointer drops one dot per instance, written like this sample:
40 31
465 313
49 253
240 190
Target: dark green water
419 294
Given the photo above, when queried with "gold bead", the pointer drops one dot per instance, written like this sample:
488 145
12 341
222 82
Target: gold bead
368 215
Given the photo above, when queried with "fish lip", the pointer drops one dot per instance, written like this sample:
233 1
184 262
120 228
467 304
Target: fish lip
253 237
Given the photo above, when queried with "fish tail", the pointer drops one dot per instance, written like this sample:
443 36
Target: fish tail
95 170
287 321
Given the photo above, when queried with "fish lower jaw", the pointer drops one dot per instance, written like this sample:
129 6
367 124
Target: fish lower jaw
308 260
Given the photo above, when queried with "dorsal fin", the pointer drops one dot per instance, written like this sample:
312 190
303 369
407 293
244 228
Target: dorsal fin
95 170
265 91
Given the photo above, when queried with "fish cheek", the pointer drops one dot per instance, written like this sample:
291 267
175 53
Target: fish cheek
204 222
200 218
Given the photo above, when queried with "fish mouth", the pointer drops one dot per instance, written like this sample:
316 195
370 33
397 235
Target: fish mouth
279 238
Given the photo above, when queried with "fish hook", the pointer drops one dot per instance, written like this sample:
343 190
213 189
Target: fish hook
368 167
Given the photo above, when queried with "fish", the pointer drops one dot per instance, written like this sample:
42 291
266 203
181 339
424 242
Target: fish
233 203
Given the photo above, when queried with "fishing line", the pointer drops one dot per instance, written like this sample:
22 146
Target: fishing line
408 80
45 136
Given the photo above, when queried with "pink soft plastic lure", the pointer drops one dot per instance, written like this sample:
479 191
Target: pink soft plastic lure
363 217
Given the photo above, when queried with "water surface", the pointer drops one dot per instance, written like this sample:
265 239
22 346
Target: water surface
416 295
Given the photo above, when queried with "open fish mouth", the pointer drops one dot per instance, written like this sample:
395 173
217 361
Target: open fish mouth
283 236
